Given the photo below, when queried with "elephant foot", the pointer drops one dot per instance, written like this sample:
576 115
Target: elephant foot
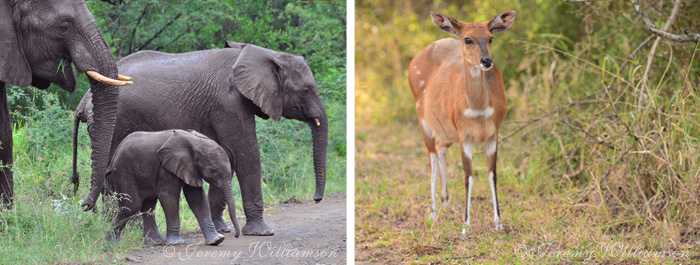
215 240
174 240
221 226
153 238
257 228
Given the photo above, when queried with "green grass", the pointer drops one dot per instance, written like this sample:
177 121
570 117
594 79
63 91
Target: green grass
47 225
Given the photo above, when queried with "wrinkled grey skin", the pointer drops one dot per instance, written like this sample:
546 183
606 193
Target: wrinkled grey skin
38 42
150 166
218 93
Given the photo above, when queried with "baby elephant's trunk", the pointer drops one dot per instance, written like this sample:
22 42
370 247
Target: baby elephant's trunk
228 190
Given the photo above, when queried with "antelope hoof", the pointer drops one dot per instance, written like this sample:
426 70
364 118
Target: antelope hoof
445 200
499 226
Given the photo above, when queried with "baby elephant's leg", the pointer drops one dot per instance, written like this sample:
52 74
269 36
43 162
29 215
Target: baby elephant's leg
170 201
199 204
151 235
127 208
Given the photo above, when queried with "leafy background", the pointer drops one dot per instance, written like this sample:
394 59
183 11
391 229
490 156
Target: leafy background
583 162
47 226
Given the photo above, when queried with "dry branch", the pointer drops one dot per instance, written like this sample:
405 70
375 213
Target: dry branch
688 37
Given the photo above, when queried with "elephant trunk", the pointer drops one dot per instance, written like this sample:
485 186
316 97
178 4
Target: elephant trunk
230 200
319 135
75 179
104 102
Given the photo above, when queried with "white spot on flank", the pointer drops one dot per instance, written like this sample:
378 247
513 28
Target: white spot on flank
467 148
423 91
475 71
426 129
417 72
417 104
421 83
415 66
491 147
469 61
486 113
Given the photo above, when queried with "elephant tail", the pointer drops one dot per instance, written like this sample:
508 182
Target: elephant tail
75 179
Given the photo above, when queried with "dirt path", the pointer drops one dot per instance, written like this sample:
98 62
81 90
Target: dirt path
305 233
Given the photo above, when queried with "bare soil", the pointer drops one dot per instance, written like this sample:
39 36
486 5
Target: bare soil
305 233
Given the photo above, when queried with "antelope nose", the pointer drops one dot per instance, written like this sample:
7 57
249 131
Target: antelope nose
486 62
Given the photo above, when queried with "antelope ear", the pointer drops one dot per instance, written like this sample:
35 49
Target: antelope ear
502 22
256 75
235 45
445 23
177 156
14 68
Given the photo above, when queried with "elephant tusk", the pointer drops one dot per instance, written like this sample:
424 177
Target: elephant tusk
106 80
124 78
318 123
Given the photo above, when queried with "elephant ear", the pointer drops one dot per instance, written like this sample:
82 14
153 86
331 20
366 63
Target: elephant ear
177 156
14 68
233 44
256 75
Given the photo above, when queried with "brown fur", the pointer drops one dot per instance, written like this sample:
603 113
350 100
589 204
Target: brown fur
452 78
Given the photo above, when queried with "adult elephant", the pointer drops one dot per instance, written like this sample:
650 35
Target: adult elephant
38 42
218 93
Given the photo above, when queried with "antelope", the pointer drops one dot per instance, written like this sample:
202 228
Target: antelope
460 98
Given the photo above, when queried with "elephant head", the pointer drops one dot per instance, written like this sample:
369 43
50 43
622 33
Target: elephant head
282 85
193 157
38 42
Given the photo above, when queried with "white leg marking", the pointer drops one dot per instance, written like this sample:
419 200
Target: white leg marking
467 147
491 146
443 172
421 83
486 113
426 129
475 71
496 218
433 182
470 182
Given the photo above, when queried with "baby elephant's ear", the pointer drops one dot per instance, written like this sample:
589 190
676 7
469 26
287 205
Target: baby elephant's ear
177 156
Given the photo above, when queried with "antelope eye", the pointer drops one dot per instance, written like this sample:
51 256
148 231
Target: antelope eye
491 40
468 41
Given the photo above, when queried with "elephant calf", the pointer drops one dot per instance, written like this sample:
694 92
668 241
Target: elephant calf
150 166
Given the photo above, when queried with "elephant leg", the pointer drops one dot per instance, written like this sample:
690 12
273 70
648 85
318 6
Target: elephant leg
249 179
244 153
200 207
6 181
217 203
151 235
127 208
170 201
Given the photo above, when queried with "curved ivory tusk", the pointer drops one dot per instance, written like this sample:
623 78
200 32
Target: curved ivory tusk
106 80
124 78
318 123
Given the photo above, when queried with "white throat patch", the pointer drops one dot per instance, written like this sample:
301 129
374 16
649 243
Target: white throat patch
486 113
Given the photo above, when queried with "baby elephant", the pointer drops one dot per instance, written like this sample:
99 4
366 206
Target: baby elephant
150 166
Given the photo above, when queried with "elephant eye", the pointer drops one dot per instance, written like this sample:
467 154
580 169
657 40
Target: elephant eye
64 27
